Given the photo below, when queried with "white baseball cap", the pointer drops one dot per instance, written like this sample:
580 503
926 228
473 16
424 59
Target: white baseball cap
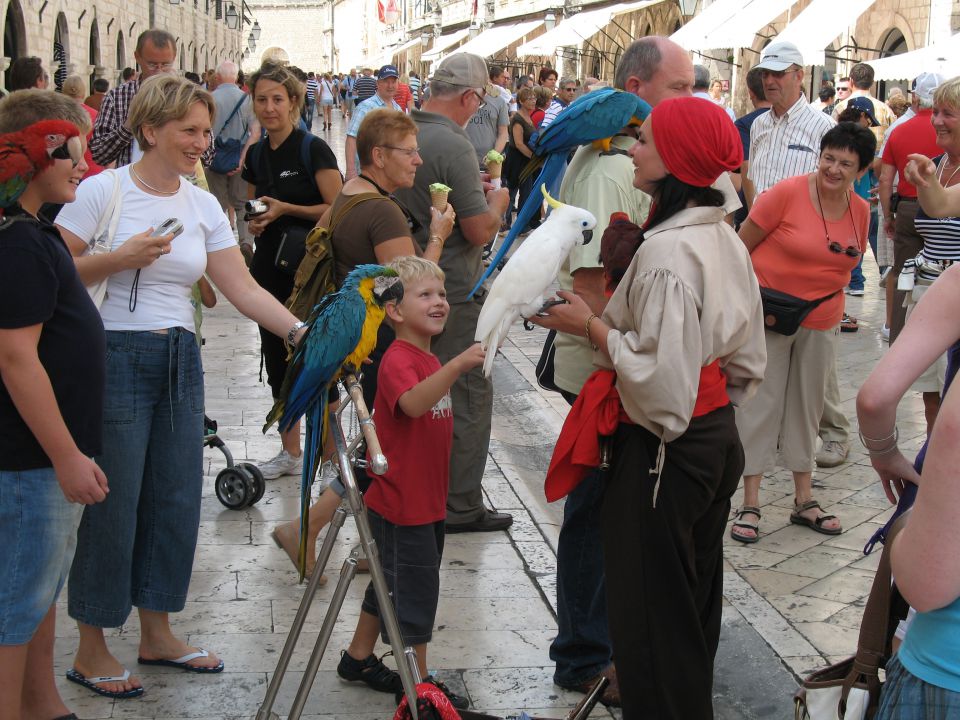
779 56
925 84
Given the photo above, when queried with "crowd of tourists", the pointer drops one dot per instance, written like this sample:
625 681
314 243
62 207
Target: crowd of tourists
698 349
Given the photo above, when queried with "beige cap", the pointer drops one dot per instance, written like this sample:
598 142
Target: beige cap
466 70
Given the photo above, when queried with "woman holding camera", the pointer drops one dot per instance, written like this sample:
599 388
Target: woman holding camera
805 235
137 546
295 176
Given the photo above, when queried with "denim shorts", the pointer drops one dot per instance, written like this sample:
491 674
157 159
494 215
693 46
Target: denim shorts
410 556
38 534
907 697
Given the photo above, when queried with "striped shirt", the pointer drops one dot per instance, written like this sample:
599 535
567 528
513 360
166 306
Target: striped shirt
111 139
788 145
365 88
312 87
554 109
941 236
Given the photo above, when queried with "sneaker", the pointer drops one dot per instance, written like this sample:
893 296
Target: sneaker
885 332
855 292
370 671
283 464
832 453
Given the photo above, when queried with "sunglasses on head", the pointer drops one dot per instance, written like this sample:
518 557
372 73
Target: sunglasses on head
71 150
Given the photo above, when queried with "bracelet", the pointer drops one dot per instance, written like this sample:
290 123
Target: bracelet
292 333
885 451
894 436
586 331
436 239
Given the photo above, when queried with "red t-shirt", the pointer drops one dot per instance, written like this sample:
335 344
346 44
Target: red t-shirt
402 96
537 116
794 257
916 135
414 489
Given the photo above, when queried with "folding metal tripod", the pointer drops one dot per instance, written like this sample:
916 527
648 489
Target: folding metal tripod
406 658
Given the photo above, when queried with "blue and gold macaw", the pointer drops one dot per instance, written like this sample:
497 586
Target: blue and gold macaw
341 335
591 118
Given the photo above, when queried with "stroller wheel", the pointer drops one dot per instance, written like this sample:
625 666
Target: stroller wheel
234 488
259 484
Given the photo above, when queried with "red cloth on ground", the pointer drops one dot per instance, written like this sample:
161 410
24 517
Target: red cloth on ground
414 489
430 693
695 139
597 412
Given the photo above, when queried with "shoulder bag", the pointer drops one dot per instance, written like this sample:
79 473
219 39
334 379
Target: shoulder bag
783 313
104 236
226 157
850 689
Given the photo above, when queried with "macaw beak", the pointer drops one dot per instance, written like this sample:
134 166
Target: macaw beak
587 236
387 288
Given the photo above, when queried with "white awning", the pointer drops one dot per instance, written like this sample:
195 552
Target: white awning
729 24
577 28
941 57
495 39
406 46
820 24
442 43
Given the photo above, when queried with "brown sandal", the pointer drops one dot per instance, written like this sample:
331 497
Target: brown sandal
739 522
816 524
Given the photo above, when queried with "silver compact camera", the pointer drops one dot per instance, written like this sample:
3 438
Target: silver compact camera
253 208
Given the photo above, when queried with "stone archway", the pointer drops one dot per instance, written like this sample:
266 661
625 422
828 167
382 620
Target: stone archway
14 36
94 55
61 50
893 42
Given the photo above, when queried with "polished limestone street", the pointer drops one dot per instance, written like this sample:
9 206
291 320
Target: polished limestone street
793 601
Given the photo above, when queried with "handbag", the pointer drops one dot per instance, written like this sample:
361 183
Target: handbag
545 363
850 689
227 153
783 313
104 236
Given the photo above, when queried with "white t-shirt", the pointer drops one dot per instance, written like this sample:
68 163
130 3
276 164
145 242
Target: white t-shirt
163 293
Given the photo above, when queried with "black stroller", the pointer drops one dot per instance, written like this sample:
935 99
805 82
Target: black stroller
238 485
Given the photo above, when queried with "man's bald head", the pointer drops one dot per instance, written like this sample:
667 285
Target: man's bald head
655 68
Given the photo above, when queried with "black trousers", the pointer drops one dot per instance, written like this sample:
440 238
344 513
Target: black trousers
663 564
280 285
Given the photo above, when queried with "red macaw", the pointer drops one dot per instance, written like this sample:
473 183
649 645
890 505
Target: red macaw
27 152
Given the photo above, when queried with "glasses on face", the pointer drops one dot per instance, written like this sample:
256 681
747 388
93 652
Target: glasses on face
569 89
841 88
409 152
778 74
71 150
158 66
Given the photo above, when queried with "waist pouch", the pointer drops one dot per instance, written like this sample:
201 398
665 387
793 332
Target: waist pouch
783 313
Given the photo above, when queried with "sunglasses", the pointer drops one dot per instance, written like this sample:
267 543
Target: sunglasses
71 150
849 250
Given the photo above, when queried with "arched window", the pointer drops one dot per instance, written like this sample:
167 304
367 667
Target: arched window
94 51
14 35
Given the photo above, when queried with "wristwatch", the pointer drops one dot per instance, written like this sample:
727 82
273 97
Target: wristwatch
292 333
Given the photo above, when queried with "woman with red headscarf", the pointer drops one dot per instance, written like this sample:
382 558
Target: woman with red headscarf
679 341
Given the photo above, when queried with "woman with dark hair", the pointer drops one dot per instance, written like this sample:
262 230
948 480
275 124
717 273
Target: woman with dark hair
805 235
548 78
679 341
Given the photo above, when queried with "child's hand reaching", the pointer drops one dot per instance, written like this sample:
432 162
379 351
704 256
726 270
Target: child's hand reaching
472 357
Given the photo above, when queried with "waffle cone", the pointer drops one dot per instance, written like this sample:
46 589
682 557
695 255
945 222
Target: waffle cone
494 168
439 200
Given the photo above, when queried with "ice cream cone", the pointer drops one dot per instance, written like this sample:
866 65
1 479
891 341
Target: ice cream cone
495 169
439 200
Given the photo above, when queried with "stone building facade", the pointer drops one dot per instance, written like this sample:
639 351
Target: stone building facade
98 38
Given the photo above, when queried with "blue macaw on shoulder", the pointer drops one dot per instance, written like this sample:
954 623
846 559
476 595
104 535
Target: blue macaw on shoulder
341 335
591 118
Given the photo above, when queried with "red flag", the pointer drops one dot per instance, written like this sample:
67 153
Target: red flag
387 11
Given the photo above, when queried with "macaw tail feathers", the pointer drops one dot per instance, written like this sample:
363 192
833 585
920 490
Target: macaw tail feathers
318 423
276 412
532 167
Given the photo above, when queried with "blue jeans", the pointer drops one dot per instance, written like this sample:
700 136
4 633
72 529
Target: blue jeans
582 646
308 108
856 276
137 547
38 533
907 697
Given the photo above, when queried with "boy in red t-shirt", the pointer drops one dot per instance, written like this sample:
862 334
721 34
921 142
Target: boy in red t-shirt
407 505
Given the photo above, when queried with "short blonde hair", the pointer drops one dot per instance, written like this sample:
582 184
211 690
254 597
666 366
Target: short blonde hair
162 99
382 127
75 87
948 94
23 108
412 269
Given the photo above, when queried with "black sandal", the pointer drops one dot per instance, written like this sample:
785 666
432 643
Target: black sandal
817 524
739 522
371 671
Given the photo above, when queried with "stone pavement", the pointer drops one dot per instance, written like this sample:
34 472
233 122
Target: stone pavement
792 602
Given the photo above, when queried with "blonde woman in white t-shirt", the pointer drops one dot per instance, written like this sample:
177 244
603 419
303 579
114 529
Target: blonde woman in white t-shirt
138 549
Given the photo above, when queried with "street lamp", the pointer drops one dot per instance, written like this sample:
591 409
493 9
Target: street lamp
255 31
233 17
474 29
550 21
425 40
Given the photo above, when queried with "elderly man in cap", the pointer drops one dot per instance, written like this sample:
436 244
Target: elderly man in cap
785 142
457 90
387 79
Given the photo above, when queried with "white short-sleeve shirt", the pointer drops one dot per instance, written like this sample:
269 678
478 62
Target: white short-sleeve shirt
164 288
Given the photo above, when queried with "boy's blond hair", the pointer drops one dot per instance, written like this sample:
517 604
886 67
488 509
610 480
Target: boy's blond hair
23 108
411 269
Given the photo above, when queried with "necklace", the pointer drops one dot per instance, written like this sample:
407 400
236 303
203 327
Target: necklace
148 186
943 164
832 245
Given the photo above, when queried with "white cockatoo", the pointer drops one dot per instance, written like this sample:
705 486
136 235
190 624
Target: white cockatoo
519 289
